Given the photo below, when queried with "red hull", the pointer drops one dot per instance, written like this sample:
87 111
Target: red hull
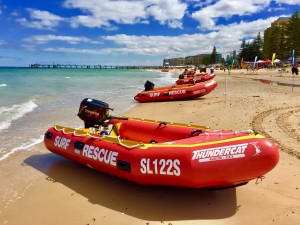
177 92
198 78
182 156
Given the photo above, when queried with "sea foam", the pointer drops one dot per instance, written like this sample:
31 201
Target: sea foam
23 146
9 114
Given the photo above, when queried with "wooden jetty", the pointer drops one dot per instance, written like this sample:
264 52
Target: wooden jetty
75 66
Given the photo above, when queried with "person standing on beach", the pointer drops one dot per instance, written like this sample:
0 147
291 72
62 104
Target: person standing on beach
295 70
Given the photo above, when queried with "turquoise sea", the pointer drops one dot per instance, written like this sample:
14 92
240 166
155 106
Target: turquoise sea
33 99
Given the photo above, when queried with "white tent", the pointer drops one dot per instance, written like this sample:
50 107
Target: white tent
276 61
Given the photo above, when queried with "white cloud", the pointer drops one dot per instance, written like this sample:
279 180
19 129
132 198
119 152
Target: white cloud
71 50
167 11
208 16
43 39
226 39
289 2
107 14
41 20
103 13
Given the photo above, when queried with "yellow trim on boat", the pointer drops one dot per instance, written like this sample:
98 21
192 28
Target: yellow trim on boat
170 123
163 145
114 139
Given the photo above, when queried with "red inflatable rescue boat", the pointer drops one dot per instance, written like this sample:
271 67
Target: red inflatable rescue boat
161 153
167 93
198 78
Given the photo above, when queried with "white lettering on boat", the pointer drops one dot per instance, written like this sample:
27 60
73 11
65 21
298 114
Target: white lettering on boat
220 153
199 91
177 92
101 155
169 167
155 94
61 142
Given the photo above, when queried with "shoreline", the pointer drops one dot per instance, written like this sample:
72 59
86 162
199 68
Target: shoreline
58 191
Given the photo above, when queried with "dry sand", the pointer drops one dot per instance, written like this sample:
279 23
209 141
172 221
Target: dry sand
40 188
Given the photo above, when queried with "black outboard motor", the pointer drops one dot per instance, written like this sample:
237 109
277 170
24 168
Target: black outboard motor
93 112
149 86
203 70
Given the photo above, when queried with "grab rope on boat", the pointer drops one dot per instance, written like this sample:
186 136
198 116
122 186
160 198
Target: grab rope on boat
224 133
75 133
86 134
131 146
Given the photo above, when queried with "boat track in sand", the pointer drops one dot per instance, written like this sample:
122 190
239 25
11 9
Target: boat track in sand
282 126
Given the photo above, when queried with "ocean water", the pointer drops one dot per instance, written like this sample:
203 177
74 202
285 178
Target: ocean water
33 99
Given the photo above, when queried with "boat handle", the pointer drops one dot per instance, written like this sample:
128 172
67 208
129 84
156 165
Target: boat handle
48 135
79 145
195 131
104 132
162 123
125 166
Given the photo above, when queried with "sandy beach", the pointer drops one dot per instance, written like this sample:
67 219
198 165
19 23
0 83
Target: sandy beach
40 188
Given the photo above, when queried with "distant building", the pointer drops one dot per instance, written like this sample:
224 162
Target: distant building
273 36
174 62
196 60
280 22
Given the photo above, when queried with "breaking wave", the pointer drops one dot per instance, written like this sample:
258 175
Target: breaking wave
9 114
23 146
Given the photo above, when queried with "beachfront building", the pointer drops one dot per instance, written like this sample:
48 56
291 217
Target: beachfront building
196 60
174 62
276 39
280 22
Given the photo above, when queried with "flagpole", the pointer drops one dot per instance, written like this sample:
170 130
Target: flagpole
226 87
293 82
226 78
293 62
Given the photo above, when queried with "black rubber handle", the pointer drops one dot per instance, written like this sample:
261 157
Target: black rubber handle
195 131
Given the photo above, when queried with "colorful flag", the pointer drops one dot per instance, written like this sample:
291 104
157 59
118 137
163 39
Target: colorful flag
232 63
254 62
293 57
242 60
228 69
273 58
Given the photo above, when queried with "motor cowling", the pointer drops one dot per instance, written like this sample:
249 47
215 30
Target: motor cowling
149 86
93 112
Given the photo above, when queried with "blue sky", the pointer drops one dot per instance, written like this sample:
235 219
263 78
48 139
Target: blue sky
129 32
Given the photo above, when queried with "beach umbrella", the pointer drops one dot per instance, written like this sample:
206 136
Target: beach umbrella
276 61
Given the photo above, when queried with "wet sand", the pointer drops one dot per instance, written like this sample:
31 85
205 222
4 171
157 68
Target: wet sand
38 187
